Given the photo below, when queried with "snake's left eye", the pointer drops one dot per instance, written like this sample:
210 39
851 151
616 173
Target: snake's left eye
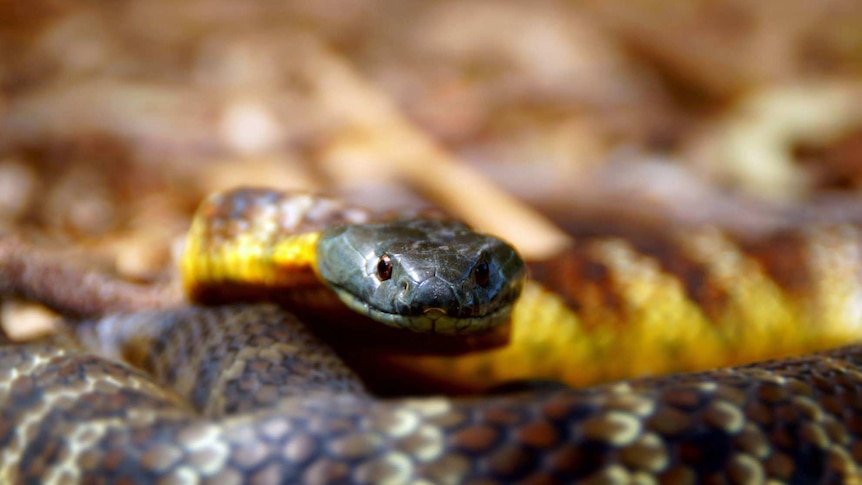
384 267
482 274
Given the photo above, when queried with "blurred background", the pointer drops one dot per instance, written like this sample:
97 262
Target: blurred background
117 117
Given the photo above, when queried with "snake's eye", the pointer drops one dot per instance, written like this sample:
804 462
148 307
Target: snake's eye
384 267
482 274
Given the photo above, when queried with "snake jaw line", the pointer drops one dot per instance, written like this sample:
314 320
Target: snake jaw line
431 320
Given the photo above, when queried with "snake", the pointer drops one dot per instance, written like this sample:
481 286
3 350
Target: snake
237 385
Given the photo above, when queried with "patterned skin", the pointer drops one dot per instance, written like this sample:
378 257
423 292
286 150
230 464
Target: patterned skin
244 394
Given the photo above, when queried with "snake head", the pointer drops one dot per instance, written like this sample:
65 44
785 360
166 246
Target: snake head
422 275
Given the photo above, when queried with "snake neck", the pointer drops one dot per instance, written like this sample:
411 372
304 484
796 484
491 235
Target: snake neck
248 269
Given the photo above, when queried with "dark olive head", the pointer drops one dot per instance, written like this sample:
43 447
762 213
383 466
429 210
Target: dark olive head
422 275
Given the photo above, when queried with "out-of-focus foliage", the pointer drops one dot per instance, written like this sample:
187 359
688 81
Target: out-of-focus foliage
117 116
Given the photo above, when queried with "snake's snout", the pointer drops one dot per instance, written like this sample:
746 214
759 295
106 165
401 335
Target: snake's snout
435 296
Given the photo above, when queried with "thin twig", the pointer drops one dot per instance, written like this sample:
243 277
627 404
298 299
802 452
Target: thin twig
67 288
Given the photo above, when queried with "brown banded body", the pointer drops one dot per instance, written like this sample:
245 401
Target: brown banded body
243 394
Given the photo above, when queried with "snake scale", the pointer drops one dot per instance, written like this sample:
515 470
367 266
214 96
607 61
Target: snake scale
245 393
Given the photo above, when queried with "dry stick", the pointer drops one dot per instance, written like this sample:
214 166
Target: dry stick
40 275
417 159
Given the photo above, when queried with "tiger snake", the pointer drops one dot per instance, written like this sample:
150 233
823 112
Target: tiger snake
244 393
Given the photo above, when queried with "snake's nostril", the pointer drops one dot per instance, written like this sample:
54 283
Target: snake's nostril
404 292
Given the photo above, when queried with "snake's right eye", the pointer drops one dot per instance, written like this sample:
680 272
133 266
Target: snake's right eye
482 274
384 267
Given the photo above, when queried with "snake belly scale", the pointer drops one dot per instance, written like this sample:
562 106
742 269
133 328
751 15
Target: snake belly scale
245 394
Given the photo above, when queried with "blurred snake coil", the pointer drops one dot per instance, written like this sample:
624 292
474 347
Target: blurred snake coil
234 390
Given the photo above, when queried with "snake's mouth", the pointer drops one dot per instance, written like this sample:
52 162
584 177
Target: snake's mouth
431 320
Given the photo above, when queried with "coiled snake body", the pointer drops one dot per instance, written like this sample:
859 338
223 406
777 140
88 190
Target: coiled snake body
245 394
